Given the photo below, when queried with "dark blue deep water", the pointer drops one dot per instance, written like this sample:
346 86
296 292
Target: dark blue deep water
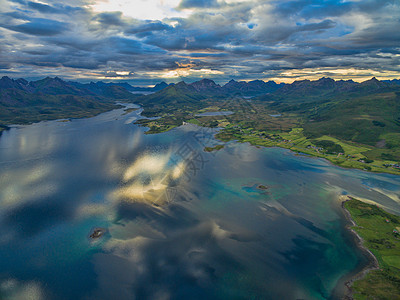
180 223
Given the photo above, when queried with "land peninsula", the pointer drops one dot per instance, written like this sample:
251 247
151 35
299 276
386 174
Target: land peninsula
378 234
353 125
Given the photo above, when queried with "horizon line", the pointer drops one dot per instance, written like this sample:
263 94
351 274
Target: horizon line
218 82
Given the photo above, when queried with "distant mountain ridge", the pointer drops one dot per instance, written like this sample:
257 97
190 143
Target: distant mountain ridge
251 88
127 86
49 91
56 86
16 92
326 88
324 85
53 98
298 91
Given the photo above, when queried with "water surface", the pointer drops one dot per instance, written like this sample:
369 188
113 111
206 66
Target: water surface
181 223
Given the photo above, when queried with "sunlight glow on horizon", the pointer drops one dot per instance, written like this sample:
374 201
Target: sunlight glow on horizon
142 9
287 76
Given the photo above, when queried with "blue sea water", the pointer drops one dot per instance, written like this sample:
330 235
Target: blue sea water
180 223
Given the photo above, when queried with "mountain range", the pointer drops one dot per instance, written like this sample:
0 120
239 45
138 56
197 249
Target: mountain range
99 85
298 91
366 112
55 92
57 86
199 89
22 101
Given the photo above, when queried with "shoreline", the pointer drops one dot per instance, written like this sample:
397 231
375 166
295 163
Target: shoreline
300 153
373 263
296 151
64 115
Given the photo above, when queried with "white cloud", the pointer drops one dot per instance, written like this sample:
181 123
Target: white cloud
142 9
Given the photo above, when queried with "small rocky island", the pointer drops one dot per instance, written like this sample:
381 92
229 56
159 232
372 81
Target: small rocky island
262 187
97 233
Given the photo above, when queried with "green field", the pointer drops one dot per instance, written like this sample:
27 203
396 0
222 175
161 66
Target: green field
376 227
359 130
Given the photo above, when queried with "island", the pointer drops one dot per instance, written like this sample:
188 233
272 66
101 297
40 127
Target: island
262 187
378 234
97 233
215 148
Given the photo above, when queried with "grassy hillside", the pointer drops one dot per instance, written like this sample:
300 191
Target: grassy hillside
362 119
379 229
173 99
370 120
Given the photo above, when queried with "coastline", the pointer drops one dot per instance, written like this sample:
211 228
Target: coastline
355 165
329 159
59 115
333 163
373 263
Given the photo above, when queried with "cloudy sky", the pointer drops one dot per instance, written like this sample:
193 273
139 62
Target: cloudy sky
145 41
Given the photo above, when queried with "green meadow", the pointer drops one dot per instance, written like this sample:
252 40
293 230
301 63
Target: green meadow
379 231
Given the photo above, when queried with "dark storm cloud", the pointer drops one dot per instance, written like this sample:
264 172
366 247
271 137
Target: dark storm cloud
244 39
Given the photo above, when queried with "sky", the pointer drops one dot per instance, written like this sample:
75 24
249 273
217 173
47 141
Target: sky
146 41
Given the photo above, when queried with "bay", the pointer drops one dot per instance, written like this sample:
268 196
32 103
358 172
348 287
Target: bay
180 223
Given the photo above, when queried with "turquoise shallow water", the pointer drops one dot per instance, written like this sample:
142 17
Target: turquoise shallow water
180 223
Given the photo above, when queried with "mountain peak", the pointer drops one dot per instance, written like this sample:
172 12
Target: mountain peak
180 83
373 80
326 79
374 84
258 81
205 85
252 88
207 80
22 81
160 86
8 83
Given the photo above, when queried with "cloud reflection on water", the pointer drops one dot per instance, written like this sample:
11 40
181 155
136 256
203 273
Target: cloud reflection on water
16 290
21 185
148 177
220 236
